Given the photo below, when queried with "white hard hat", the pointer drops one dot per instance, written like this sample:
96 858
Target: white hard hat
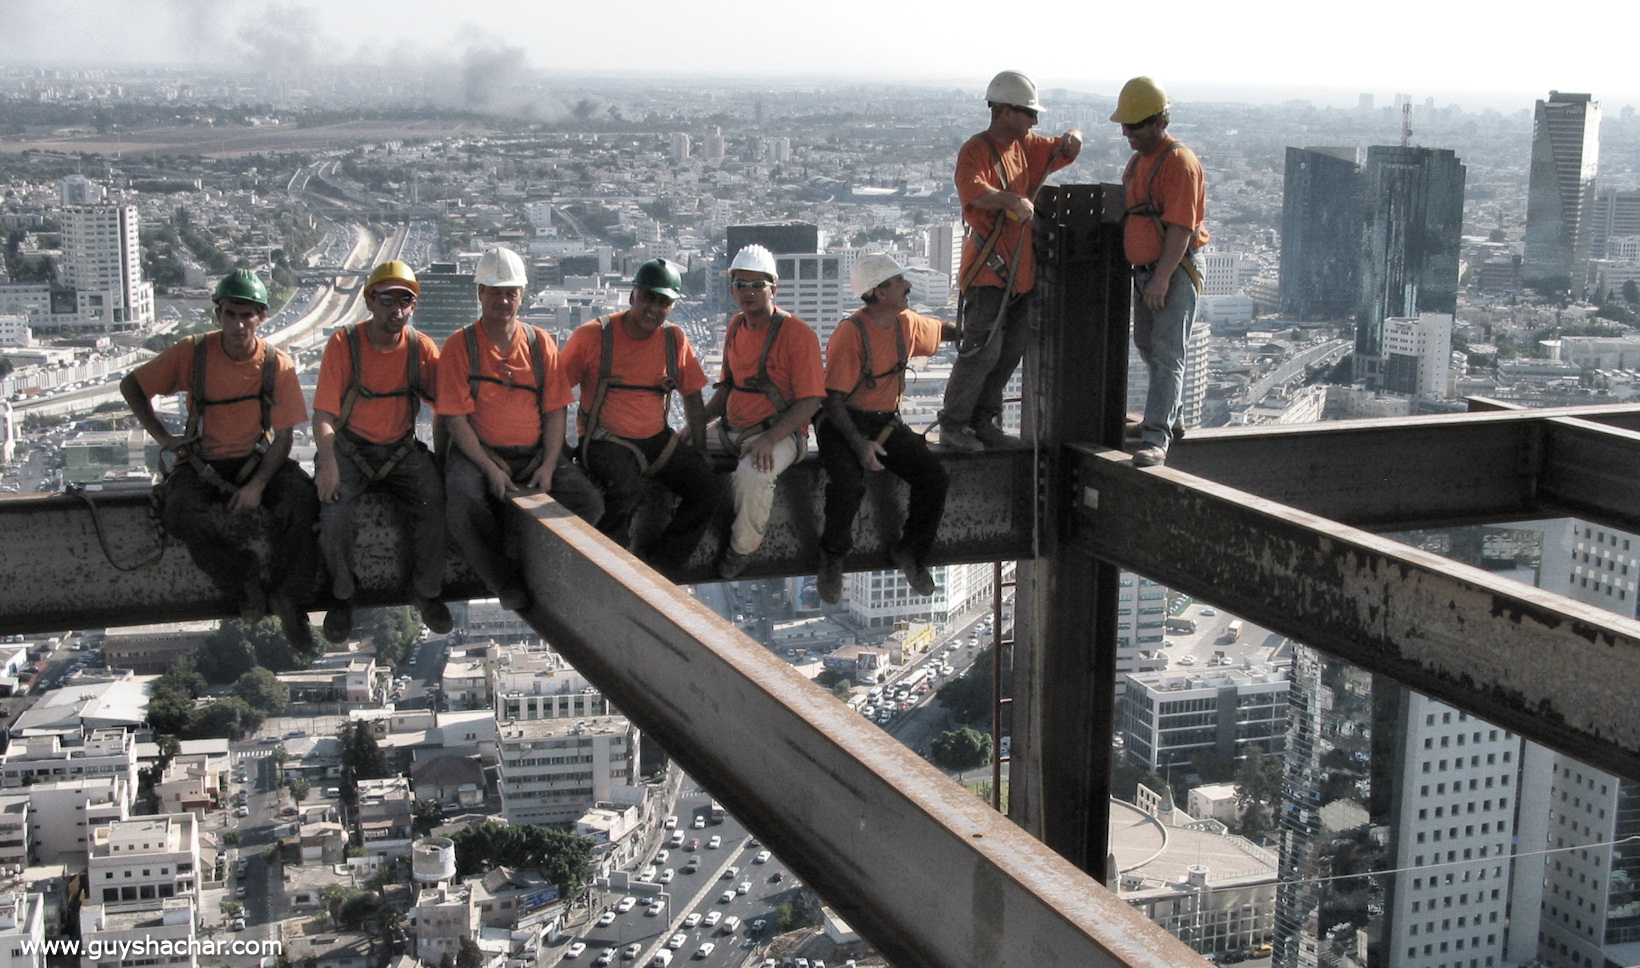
1014 88
755 258
872 270
500 266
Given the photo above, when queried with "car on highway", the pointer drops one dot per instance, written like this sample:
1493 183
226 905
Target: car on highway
727 897
671 823
631 951
692 845
744 887
666 876
676 840
711 919
677 941
762 857
575 950
692 920
605 956
626 904
705 950
778 876
661 857
714 843
700 822
731 873
656 908
648 875
692 866
607 919
757 925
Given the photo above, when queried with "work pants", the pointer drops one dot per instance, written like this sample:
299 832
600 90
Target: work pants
415 486
474 516
290 507
907 457
685 473
973 392
752 491
1161 338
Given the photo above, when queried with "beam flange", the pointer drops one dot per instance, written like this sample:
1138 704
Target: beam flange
1556 671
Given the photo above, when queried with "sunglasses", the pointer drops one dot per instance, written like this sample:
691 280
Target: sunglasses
751 285
1141 125
392 300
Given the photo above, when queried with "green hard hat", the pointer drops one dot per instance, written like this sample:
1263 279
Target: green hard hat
241 284
659 276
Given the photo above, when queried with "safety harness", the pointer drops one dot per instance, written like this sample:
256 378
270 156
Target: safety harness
538 362
758 384
988 256
868 379
1150 208
607 382
185 449
356 391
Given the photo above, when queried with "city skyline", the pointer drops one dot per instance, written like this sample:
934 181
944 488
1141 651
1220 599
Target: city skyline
1399 48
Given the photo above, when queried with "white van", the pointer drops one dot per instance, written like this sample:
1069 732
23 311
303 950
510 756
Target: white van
662 958
730 925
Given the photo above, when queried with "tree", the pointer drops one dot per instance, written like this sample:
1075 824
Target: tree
393 630
1258 789
563 858
299 788
359 908
961 749
468 955
263 690
426 815
843 689
230 716
232 838
1631 293
361 756
968 697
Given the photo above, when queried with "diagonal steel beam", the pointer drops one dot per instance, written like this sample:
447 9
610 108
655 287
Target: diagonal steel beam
924 869
1556 671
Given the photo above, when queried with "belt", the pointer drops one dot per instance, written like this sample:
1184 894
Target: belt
1147 267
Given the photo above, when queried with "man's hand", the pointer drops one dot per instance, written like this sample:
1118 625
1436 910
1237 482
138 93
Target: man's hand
498 481
1070 144
761 452
869 451
542 478
1018 206
247 498
328 478
1155 292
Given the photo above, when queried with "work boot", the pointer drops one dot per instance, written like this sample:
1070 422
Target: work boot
1149 456
339 623
830 579
921 581
994 437
295 621
732 564
253 602
959 438
434 614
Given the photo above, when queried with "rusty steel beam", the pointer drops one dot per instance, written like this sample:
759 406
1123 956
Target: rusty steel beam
1410 472
1558 672
928 873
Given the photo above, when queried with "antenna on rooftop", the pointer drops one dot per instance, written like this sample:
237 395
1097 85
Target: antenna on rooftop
1406 123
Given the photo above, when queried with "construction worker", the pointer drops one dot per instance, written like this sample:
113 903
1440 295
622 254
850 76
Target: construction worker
503 396
373 379
627 366
998 173
771 388
243 402
861 431
1166 200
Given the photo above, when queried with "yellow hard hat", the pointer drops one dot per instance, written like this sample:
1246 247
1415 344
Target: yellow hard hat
1140 98
395 271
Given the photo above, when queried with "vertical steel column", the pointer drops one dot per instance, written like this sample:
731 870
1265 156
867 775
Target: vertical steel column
1065 605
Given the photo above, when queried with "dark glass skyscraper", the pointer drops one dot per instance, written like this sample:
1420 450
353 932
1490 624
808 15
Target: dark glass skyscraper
1409 259
1560 191
1321 222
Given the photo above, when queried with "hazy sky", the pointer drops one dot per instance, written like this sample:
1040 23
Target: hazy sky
1474 56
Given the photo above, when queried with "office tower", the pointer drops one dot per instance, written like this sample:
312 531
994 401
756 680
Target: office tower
1616 216
1560 191
102 263
1418 355
1320 233
1409 260
796 238
680 146
945 248
816 288
448 300
80 190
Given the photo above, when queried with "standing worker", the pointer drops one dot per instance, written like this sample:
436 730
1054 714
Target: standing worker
243 403
861 431
772 386
503 396
628 365
998 173
373 378
1166 202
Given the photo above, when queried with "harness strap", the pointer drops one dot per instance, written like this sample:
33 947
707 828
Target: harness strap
197 402
607 382
761 383
1150 208
988 257
538 362
868 379
356 390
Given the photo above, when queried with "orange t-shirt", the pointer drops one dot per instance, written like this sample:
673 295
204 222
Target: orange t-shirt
506 413
1024 164
634 414
384 419
227 430
1180 192
794 367
845 360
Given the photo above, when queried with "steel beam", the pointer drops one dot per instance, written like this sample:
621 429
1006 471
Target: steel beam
924 870
1553 670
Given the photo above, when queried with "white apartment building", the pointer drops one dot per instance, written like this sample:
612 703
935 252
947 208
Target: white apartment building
14 331
1454 833
1170 717
102 263
444 916
62 815
883 599
40 759
815 288
1225 273
144 859
22 930
139 935
551 771
1418 355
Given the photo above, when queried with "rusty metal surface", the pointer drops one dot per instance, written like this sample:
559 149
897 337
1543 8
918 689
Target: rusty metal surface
921 867
1556 671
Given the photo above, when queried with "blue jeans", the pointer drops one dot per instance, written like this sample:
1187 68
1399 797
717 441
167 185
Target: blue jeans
1161 339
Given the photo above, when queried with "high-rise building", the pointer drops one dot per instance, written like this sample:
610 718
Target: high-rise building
680 146
1320 233
1409 259
796 238
102 262
1616 216
1418 355
448 300
1560 191
816 288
